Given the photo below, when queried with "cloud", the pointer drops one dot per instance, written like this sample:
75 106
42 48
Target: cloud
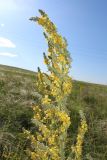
2 24
4 42
7 54
13 5
8 5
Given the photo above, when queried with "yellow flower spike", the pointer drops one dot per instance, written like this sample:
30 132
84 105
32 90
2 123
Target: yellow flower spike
53 120
80 137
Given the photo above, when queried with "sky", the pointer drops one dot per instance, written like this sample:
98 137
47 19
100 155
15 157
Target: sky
83 23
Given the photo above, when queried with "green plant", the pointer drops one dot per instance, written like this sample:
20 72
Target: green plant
51 116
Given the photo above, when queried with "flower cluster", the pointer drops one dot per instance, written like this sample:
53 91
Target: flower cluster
77 149
57 60
51 115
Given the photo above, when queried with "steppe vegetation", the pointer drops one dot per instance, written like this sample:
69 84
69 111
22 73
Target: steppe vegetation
17 95
23 94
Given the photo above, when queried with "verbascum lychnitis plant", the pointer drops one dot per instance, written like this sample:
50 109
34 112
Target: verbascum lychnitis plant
51 117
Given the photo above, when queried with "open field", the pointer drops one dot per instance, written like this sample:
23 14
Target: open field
18 93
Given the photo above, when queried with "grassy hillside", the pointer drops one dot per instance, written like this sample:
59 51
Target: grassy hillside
18 93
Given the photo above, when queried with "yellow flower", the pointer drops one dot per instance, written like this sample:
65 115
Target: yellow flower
37 116
45 131
41 21
39 138
48 113
61 58
46 100
51 140
55 153
67 87
33 155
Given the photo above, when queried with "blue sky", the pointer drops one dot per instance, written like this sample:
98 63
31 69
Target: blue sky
83 23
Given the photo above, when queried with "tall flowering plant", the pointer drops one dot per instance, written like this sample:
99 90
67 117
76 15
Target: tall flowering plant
51 117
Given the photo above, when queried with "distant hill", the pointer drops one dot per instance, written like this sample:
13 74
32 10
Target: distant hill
18 93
